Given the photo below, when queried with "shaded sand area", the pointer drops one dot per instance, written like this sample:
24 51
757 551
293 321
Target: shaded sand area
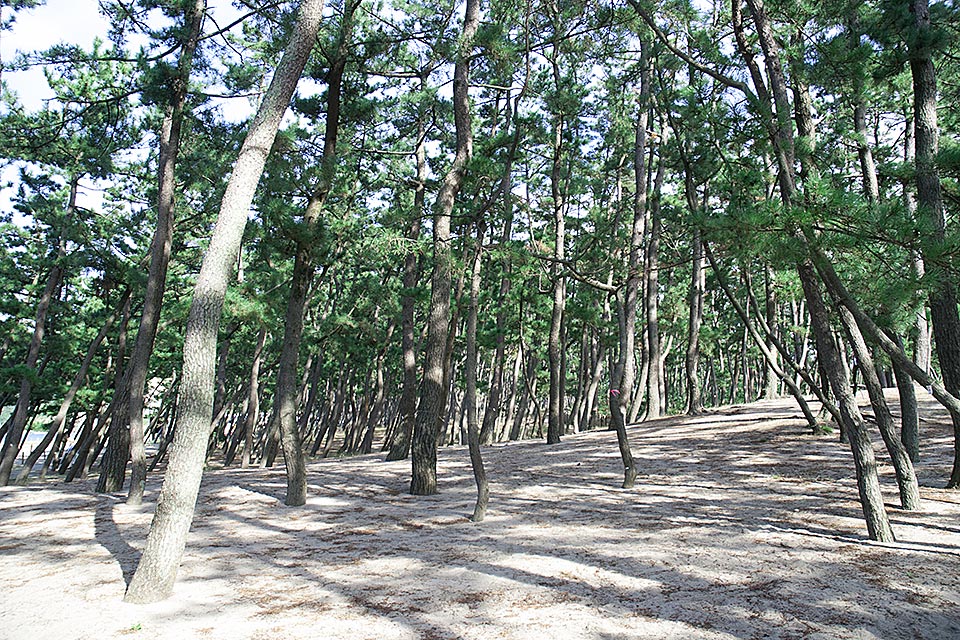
742 525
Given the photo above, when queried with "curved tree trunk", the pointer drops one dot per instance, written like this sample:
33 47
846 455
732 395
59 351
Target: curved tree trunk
470 399
157 570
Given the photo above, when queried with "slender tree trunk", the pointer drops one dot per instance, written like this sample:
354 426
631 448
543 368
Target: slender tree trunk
157 569
470 400
492 413
868 483
411 274
430 410
303 273
655 371
160 248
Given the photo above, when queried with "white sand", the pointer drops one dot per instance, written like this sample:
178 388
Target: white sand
741 526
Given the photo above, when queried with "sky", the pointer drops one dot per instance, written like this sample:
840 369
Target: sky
76 22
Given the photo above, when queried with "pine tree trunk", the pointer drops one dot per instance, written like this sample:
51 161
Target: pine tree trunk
943 293
53 427
159 249
868 482
411 275
906 478
157 569
470 400
430 411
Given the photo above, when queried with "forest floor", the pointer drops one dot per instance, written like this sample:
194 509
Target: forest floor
742 525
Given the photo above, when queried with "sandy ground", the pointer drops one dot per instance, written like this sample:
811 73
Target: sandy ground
741 526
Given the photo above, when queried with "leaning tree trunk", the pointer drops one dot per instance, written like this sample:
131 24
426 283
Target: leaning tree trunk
868 482
430 411
54 426
906 478
157 569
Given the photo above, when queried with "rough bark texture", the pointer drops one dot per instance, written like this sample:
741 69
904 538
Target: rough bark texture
159 250
868 482
906 478
430 410
473 419
411 275
303 273
157 569
654 353
943 292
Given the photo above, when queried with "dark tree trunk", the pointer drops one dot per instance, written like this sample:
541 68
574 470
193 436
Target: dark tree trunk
906 478
430 410
411 275
470 400
159 249
868 482
53 427
943 293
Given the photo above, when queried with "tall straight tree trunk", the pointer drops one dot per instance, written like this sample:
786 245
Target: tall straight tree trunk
652 306
770 307
411 274
554 346
431 408
695 300
159 248
303 273
492 412
11 446
157 569
470 399
624 374
943 292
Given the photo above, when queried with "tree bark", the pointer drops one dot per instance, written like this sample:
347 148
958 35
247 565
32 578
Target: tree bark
906 478
868 482
159 248
470 400
53 427
430 410
943 292
157 569
411 275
